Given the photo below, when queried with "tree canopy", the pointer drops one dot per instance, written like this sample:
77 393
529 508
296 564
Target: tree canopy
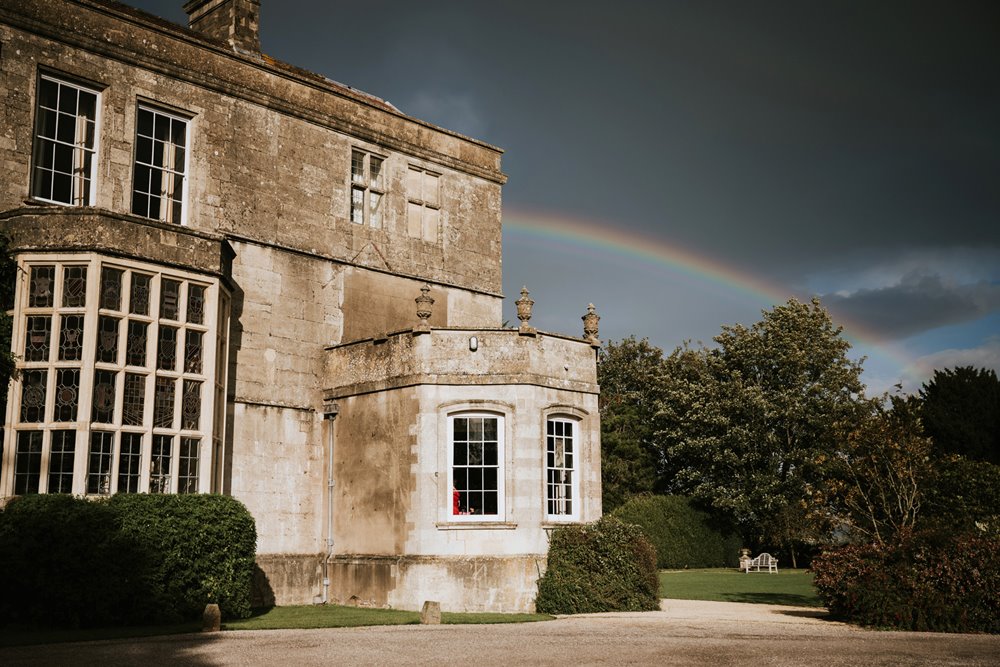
961 412
748 425
629 374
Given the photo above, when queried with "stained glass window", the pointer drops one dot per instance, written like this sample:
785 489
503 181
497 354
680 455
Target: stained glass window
196 304
163 403
135 351
133 399
67 394
107 340
74 287
139 294
103 401
40 289
191 405
111 288
166 349
36 340
192 352
33 395
71 338
169 299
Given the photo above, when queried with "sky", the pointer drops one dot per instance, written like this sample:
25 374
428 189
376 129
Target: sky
686 165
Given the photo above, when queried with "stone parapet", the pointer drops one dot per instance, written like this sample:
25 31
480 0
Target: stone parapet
460 357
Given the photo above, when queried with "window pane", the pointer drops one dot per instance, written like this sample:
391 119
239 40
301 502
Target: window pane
36 340
103 411
111 288
134 399
129 460
187 476
166 349
139 296
192 351
169 296
99 463
33 396
135 354
71 338
357 167
74 286
375 172
191 405
67 394
27 462
107 340
163 403
159 464
196 304
357 205
40 289
61 461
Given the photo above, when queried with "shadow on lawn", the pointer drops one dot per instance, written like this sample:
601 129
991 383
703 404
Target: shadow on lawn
788 599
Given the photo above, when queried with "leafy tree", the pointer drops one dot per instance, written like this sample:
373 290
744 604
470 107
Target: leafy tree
882 473
961 412
964 496
750 426
629 376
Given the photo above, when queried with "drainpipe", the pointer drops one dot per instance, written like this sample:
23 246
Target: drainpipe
330 410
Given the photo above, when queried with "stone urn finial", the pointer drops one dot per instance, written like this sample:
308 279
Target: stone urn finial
590 321
524 305
424 303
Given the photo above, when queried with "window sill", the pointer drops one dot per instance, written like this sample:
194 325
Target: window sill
475 525
549 524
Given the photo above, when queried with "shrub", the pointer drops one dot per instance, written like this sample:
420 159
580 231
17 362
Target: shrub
930 581
682 535
71 562
605 566
202 549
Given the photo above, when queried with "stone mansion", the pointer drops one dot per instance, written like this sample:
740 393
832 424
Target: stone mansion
239 277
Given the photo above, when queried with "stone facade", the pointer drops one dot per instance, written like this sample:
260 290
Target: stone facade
220 255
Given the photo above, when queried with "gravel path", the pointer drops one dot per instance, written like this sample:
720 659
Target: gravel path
684 633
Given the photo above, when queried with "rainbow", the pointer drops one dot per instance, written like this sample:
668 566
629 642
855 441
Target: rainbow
605 241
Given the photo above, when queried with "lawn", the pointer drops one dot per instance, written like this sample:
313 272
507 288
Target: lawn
788 587
333 616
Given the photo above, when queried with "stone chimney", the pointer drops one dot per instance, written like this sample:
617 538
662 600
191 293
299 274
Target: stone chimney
235 22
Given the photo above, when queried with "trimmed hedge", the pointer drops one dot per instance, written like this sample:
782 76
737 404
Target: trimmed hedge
605 566
931 581
682 535
130 559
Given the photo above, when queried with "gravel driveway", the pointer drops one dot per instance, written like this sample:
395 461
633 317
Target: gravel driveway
683 633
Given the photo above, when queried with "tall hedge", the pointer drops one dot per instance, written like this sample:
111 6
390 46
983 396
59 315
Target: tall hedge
682 535
605 566
71 562
930 581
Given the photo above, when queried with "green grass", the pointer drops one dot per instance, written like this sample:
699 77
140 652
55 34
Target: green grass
333 616
277 618
788 587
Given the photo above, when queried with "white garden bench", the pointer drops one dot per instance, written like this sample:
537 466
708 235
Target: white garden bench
765 560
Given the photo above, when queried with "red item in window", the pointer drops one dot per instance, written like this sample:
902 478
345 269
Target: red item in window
454 501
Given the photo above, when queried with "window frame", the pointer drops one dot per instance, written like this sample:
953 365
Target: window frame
418 201
368 187
77 196
574 483
501 467
199 310
166 212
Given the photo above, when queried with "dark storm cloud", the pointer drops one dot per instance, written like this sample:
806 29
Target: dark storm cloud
918 303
